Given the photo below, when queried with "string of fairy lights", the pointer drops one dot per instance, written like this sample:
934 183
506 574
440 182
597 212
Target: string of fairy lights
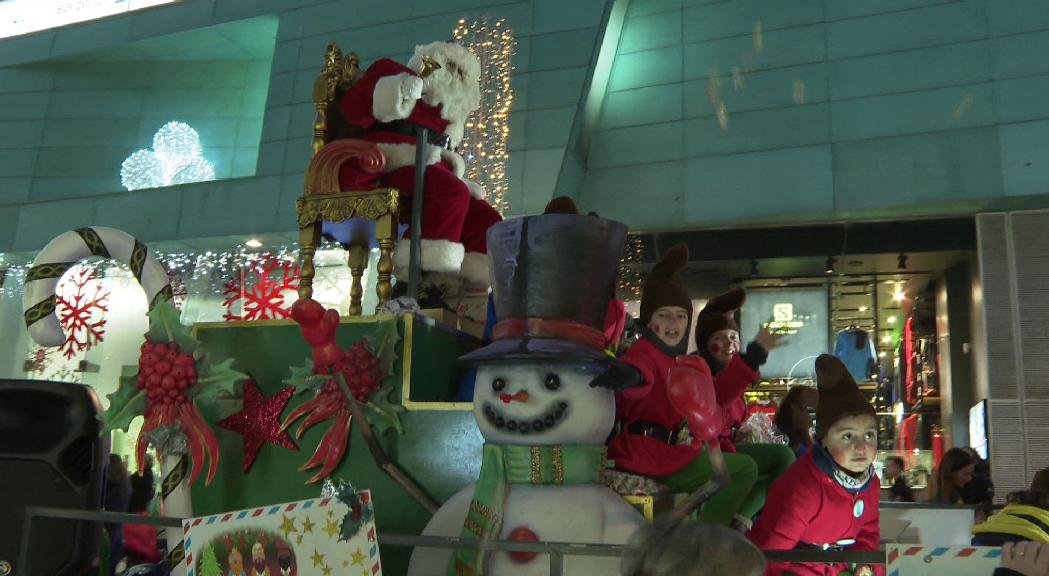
207 269
631 277
484 144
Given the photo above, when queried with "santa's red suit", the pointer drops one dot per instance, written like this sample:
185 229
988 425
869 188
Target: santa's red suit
386 104
807 507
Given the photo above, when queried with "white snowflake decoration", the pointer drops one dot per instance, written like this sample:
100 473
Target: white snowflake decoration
175 159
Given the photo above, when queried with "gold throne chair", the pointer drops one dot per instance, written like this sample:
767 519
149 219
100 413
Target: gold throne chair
323 200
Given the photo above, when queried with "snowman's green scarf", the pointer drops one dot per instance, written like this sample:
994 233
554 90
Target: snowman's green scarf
505 465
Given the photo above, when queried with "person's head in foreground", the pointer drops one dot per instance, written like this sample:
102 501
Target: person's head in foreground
687 548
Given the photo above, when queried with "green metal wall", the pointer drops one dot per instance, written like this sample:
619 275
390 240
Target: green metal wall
901 103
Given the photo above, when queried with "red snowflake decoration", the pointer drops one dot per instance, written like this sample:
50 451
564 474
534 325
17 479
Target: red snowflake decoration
38 360
264 298
81 303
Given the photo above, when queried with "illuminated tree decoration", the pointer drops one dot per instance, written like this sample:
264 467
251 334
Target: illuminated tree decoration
488 128
176 158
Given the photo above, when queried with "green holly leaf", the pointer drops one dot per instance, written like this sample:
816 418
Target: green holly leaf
303 378
124 404
217 380
384 343
382 413
165 325
358 513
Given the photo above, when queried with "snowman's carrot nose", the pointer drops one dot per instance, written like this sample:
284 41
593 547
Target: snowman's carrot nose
521 396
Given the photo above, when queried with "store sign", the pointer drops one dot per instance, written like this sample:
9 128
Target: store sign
19 17
799 315
784 322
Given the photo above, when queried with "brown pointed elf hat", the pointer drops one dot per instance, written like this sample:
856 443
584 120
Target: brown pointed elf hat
664 286
718 315
840 396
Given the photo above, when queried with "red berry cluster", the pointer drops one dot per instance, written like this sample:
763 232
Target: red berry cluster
360 369
165 373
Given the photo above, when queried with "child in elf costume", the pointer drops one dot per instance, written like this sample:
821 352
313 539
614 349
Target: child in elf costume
734 370
653 439
828 499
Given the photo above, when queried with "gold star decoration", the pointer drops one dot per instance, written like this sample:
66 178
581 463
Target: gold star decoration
287 526
358 558
318 558
307 525
345 563
331 528
326 570
298 538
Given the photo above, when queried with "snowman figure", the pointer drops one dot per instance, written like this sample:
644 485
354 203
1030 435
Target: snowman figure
543 420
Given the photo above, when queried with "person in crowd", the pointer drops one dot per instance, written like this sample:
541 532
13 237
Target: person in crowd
652 439
900 491
143 487
1024 518
118 496
1024 559
793 418
950 477
140 540
828 499
684 548
734 370
980 490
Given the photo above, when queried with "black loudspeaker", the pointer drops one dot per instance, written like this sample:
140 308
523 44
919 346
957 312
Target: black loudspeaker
51 455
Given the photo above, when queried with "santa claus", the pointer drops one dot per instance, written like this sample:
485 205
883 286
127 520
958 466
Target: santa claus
437 90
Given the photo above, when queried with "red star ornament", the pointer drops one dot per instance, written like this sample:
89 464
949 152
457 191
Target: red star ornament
259 421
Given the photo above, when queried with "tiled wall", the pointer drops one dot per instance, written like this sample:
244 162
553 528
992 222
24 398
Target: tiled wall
844 106
555 45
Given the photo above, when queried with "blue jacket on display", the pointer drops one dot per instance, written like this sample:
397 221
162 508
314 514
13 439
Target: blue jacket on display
856 350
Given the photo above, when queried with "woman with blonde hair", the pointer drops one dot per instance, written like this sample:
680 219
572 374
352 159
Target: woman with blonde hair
950 476
677 547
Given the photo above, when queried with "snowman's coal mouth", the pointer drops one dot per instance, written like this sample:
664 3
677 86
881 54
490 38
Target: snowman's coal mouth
548 420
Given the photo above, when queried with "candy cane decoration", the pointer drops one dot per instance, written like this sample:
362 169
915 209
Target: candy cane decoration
68 248
170 442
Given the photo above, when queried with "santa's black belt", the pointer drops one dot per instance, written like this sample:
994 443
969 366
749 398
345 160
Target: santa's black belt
408 129
653 430
828 547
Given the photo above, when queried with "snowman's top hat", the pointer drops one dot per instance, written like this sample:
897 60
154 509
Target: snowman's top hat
552 278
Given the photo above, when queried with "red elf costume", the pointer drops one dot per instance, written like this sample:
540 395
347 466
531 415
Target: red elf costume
653 439
731 380
816 504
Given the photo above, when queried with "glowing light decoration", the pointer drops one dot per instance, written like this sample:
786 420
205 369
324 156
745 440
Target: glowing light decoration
176 158
19 17
488 128
630 276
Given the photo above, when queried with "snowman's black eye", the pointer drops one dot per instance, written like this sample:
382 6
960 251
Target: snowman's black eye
553 381
498 384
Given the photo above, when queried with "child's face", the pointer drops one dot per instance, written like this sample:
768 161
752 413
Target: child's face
668 323
852 442
722 345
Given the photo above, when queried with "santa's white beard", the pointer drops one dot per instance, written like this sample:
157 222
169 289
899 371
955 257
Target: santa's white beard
456 98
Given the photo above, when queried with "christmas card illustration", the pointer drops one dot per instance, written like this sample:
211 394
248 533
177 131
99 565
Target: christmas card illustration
320 537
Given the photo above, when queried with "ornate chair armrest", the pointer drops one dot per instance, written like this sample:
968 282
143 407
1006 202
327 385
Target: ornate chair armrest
322 175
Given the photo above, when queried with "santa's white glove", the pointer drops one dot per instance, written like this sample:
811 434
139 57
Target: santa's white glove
476 190
411 88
